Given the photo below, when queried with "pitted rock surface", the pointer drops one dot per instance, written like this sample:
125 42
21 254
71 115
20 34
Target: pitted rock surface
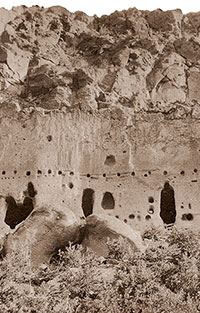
98 113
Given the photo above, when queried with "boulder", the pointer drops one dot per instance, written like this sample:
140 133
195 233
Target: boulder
100 228
43 233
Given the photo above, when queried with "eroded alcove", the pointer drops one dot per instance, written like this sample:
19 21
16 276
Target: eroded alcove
108 201
167 204
110 160
18 212
88 201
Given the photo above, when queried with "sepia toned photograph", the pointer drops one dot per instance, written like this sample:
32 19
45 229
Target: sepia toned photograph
99 156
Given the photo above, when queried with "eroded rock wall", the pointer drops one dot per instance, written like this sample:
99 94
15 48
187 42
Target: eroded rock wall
108 105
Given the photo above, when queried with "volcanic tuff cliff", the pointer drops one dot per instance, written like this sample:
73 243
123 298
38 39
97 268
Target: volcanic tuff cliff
145 61
97 113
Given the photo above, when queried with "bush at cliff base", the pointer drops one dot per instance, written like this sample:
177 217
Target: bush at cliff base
163 279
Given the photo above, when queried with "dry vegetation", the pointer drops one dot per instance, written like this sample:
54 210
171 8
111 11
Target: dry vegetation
164 279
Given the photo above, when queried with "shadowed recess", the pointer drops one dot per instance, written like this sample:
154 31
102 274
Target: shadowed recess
88 201
16 213
187 217
31 190
108 202
151 200
167 204
110 160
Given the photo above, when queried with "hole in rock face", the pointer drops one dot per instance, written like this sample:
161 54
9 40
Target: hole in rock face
15 171
133 173
147 217
151 209
49 138
59 172
184 217
110 160
190 217
39 172
195 170
16 213
71 185
164 172
28 173
131 216
108 202
3 172
151 200
49 171
31 190
88 201
125 220
182 173
167 204
187 217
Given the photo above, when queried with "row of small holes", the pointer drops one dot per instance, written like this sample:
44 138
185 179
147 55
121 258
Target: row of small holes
132 216
39 172
149 172
28 173
181 172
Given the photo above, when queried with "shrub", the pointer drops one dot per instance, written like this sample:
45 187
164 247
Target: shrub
163 279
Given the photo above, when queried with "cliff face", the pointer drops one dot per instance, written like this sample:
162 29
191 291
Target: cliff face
145 61
108 108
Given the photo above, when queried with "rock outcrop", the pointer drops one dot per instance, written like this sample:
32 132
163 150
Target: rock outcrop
46 231
101 228
145 61
43 234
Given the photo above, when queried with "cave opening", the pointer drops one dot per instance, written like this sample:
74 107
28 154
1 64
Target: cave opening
88 201
167 204
31 190
110 160
108 201
17 213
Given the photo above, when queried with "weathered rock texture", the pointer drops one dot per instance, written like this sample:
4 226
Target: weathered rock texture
108 108
43 234
101 228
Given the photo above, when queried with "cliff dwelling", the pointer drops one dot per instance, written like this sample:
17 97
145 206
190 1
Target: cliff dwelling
100 115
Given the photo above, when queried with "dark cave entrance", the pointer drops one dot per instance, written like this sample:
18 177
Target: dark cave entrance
167 204
88 201
108 201
17 213
110 160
